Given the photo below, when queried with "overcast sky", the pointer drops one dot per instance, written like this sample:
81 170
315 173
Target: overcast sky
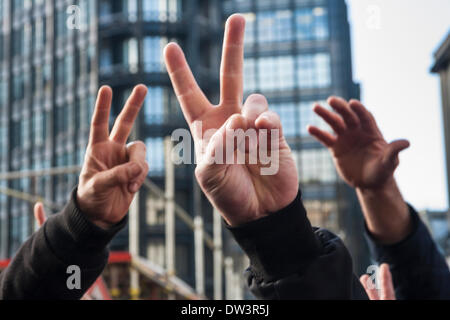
393 46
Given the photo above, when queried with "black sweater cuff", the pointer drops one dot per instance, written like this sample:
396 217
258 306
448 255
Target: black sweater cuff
74 238
280 244
387 253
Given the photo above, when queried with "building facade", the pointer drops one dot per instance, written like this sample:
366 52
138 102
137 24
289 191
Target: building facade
297 53
442 67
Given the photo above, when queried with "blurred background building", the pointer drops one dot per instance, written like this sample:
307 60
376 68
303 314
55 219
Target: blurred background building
55 54
440 222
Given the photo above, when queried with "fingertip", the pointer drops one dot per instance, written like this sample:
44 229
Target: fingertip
331 99
311 129
141 88
173 56
236 121
236 20
257 99
170 49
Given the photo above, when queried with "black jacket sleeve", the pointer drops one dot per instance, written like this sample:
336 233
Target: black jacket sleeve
418 269
40 268
290 260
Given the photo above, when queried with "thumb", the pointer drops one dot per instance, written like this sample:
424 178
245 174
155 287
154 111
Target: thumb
119 175
390 158
39 213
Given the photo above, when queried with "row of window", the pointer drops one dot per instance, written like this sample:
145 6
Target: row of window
307 71
152 10
296 117
67 69
315 166
286 25
125 55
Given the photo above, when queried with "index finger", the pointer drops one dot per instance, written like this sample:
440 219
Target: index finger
126 118
192 99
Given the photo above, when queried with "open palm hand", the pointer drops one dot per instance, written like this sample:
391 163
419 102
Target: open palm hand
362 156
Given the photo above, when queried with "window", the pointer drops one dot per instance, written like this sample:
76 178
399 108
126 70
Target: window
61 119
130 54
250 28
308 117
314 71
61 29
250 80
2 53
155 156
3 92
275 26
18 40
316 166
18 5
18 86
276 73
288 117
64 70
37 128
266 27
153 48
154 105
161 10
311 23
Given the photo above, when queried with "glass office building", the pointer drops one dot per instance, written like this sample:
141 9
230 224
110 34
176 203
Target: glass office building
53 58
297 53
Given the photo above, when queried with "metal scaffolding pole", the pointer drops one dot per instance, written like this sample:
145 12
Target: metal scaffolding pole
134 244
229 281
218 255
199 256
170 208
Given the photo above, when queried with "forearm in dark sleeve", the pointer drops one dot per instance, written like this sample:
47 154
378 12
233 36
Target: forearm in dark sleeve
40 268
291 260
418 269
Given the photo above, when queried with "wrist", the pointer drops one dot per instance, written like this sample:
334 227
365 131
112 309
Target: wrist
387 187
386 212
83 207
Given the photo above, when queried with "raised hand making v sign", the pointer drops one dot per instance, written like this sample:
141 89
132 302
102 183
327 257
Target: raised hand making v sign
238 191
113 171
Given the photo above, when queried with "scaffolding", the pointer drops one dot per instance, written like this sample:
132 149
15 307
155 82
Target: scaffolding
140 270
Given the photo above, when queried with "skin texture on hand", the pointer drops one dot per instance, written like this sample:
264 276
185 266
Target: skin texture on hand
112 171
366 162
238 191
386 291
